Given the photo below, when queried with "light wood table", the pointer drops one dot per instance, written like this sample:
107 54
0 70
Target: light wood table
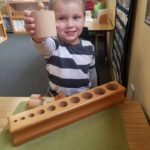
93 25
136 126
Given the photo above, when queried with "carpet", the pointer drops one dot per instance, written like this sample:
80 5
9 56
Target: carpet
22 68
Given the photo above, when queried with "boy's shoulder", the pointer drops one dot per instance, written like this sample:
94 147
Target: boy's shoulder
86 42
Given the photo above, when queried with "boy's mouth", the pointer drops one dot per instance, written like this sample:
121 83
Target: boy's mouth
70 33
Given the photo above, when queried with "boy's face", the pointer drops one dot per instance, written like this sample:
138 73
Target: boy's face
69 21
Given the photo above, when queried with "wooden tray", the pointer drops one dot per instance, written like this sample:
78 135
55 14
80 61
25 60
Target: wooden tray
102 131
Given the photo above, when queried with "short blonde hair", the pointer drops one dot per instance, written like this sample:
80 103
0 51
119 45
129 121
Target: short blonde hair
52 3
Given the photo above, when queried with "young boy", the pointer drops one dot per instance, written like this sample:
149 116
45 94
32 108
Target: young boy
70 60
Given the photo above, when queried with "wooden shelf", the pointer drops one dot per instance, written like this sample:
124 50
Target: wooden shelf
16 12
3 35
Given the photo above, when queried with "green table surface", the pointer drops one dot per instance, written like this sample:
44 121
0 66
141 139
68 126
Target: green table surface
101 131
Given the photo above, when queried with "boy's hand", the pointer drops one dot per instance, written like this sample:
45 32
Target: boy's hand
29 23
30 26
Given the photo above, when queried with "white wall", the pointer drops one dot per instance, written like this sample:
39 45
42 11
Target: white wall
139 72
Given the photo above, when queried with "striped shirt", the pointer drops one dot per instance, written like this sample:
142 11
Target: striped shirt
68 66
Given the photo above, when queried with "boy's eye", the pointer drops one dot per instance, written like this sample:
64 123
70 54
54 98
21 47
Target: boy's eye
76 17
61 18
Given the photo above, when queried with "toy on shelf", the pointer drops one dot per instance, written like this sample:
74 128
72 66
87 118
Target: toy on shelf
16 10
38 121
103 16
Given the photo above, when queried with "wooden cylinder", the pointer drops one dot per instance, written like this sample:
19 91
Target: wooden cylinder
45 25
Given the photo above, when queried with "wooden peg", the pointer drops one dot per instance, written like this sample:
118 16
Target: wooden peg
40 6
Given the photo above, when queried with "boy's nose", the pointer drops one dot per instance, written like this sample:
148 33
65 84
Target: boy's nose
70 23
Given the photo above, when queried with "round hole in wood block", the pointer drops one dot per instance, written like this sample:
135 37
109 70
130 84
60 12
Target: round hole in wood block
99 91
31 115
15 120
112 86
22 118
51 108
40 112
63 104
75 100
87 95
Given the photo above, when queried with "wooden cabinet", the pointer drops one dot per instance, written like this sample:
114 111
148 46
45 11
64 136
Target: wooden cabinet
3 35
16 12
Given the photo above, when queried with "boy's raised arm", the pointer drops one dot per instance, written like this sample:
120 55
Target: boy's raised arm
30 26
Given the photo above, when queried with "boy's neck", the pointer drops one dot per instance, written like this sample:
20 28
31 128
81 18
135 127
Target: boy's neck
77 41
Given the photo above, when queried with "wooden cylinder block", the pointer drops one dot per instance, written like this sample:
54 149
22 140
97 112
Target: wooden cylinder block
45 23
41 120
